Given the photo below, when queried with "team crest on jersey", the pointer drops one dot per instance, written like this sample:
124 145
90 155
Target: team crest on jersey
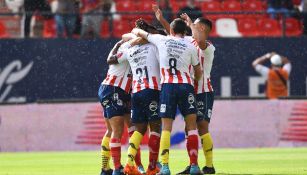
191 100
163 108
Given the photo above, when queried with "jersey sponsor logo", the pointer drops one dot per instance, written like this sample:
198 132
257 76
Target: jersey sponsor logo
191 100
163 108
10 75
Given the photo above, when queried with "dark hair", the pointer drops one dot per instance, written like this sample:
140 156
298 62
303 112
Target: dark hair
205 21
178 26
142 24
162 32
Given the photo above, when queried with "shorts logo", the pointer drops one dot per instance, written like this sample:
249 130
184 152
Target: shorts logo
153 106
163 108
209 113
105 103
119 102
200 105
115 96
191 100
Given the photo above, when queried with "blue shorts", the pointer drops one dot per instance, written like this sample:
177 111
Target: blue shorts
177 95
114 100
204 106
145 106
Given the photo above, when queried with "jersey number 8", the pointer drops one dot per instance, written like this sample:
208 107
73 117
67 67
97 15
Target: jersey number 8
172 66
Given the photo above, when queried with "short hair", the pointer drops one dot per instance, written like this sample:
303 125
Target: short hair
205 21
178 26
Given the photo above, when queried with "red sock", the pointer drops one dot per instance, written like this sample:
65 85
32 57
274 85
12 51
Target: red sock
153 145
192 146
137 158
115 146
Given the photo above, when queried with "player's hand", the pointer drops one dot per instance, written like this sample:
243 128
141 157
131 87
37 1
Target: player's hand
135 31
186 18
157 11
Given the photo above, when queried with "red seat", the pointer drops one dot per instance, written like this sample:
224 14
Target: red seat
253 6
124 6
232 6
211 6
248 27
105 29
121 27
177 5
49 29
3 32
269 27
146 7
293 27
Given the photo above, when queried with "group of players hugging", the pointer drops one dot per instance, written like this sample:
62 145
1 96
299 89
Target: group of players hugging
152 72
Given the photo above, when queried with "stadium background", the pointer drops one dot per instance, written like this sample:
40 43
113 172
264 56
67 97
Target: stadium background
48 86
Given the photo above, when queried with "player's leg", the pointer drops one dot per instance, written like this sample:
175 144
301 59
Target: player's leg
105 150
131 129
154 147
115 109
168 107
155 133
205 104
188 108
105 143
117 125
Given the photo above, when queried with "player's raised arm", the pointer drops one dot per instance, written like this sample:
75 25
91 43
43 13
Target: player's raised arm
190 24
128 36
160 18
262 59
112 57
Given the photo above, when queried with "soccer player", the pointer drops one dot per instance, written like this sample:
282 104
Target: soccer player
143 60
176 55
203 88
114 97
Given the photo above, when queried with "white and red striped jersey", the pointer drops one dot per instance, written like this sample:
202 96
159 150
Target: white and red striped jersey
206 60
119 75
144 63
175 57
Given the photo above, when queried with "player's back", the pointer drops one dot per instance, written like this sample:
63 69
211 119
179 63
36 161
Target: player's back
119 75
144 63
205 58
175 55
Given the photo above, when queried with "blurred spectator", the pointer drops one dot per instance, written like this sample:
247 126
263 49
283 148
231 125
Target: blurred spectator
65 17
91 22
167 12
191 9
277 76
30 7
304 10
279 6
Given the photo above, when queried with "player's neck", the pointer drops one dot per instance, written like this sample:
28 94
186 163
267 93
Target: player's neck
178 35
202 44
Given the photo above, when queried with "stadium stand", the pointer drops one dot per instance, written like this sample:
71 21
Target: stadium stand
249 15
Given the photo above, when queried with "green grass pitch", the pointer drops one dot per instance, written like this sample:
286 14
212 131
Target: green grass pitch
227 161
